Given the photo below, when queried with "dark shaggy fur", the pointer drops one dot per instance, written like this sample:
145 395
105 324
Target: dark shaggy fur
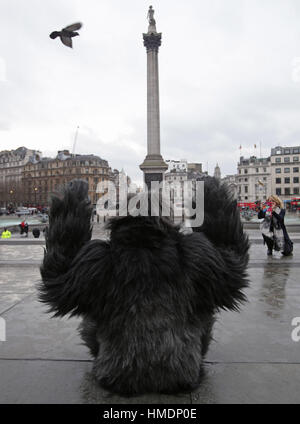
149 295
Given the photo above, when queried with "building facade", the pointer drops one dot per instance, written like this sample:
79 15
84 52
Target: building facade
231 181
12 164
180 171
254 179
42 178
285 174
217 172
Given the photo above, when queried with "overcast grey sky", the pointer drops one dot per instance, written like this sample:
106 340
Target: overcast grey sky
226 78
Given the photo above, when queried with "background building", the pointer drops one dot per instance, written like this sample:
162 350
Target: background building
254 179
231 181
44 177
285 171
12 163
180 171
217 172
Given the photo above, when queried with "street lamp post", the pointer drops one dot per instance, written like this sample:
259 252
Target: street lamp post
11 192
35 190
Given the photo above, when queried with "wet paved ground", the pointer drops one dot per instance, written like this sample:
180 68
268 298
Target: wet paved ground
252 358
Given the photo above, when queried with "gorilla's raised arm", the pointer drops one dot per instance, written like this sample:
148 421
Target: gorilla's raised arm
69 226
222 224
72 268
81 289
217 276
224 244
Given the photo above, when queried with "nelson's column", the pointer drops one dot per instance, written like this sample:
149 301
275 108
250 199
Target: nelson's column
153 166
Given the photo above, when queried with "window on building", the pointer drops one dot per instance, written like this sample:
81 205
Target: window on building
257 169
287 180
265 169
296 190
296 159
265 178
295 150
287 160
240 171
246 180
296 180
278 170
246 189
278 180
287 151
287 191
295 169
287 170
278 191
246 197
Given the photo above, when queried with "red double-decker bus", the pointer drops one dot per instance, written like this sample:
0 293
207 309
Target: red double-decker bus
295 203
245 205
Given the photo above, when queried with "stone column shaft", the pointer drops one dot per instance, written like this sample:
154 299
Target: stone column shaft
153 122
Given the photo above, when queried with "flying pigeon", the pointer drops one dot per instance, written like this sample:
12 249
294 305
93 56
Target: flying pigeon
66 34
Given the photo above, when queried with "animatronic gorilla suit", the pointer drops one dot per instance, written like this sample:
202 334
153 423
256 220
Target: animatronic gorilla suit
148 295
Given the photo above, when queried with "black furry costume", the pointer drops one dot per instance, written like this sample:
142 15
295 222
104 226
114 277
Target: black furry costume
148 296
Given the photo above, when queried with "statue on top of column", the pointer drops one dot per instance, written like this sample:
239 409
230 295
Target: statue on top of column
150 16
152 27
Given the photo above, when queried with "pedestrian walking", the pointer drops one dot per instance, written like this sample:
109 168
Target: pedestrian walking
24 228
22 225
273 228
6 234
36 232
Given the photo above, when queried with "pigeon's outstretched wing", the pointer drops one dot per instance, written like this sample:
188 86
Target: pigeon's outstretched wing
67 41
73 27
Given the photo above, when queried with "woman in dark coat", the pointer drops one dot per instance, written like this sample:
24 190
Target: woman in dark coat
273 228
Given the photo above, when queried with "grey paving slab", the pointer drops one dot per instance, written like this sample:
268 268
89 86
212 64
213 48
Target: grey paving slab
249 383
7 301
259 252
31 333
261 332
62 382
252 357
17 252
18 280
26 255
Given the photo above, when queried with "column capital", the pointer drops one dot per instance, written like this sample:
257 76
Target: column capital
152 41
